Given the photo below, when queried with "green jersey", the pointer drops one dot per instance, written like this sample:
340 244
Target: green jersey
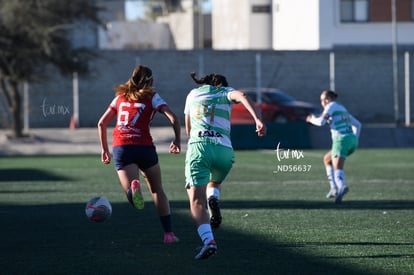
341 122
209 109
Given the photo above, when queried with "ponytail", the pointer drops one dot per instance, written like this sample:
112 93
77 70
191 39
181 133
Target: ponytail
211 79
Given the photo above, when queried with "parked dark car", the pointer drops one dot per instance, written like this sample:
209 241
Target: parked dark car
277 106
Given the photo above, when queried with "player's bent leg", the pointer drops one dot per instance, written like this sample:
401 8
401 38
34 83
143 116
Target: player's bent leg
128 178
339 164
215 219
137 197
152 176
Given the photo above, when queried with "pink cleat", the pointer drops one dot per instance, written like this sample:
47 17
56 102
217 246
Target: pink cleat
170 238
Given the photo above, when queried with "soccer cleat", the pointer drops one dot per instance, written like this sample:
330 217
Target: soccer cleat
331 194
207 250
341 194
170 238
137 197
215 219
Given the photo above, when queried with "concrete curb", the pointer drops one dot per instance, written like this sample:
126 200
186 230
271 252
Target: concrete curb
56 141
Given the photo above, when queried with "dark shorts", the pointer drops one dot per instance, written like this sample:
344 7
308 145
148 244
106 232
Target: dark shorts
143 156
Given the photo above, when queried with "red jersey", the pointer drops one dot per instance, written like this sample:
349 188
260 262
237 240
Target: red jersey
134 119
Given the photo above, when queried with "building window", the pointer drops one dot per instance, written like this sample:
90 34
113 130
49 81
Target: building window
261 9
354 10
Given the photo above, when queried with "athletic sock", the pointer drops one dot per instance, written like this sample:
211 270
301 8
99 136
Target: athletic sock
331 177
205 233
340 178
213 191
166 223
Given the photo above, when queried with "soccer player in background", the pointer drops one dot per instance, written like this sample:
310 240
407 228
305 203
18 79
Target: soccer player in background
345 130
134 107
210 154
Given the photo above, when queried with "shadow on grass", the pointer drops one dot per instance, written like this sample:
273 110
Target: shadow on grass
28 174
299 204
58 239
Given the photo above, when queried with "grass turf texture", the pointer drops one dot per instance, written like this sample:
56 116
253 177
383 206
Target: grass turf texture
273 223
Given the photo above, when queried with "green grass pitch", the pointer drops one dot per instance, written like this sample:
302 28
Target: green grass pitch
276 219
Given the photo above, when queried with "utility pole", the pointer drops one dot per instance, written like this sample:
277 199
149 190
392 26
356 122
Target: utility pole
395 60
200 24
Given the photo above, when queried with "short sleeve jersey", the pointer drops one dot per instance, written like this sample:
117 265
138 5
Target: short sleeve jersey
134 119
209 109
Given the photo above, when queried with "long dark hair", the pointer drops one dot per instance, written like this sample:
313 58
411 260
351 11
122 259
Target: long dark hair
138 86
211 79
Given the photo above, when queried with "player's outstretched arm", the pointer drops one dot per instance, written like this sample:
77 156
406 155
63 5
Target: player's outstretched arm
317 120
241 97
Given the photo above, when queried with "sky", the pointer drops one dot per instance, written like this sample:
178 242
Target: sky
135 9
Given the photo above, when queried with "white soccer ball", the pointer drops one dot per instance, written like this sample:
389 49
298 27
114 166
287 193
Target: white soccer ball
98 209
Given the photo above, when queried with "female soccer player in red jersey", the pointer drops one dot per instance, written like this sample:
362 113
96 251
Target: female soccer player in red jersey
134 107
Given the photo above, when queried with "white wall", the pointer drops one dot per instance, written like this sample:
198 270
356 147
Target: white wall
229 20
292 25
335 33
296 24
260 27
181 26
372 34
235 27
315 25
135 35
328 21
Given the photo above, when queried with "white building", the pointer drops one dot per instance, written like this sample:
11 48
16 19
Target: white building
265 25
242 24
309 24
183 30
135 35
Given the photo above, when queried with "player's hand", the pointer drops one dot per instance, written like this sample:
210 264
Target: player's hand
105 157
260 128
175 148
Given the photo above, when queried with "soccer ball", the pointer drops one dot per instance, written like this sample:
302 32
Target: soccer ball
98 209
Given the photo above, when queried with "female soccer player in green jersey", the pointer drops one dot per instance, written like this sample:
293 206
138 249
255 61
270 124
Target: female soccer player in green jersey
345 130
210 154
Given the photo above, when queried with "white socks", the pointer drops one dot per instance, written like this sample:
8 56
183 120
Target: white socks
336 178
340 179
205 233
212 191
331 176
